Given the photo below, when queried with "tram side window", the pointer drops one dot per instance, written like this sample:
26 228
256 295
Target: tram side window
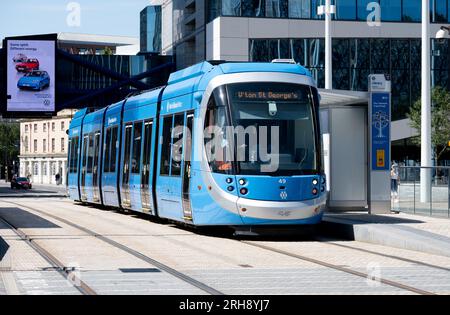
107 150
146 156
137 141
177 144
166 145
114 144
75 143
90 153
84 156
126 153
96 151
73 155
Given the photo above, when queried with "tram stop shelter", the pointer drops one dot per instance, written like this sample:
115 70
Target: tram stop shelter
345 136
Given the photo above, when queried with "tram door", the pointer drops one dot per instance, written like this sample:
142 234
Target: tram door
186 200
145 172
125 191
135 174
83 168
96 190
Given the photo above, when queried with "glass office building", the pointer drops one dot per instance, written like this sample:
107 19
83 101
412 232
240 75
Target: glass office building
346 10
150 33
271 29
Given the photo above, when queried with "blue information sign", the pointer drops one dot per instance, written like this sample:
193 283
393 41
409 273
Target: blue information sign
381 121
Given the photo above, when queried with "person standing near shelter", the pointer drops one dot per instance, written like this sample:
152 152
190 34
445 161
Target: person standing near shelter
394 180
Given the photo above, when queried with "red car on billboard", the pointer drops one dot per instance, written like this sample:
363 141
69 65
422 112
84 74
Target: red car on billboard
28 66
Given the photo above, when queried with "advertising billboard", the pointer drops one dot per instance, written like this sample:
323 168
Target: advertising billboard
30 76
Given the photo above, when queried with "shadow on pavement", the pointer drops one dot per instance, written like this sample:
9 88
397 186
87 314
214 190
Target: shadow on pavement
3 248
364 218
23 219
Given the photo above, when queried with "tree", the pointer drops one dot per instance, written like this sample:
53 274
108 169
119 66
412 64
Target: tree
9 142
107 51
440 120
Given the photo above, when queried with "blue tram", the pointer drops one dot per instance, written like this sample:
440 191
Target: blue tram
234 144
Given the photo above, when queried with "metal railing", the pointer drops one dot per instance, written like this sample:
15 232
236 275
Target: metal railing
406 198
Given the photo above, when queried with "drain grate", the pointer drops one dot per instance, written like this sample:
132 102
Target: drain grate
139 270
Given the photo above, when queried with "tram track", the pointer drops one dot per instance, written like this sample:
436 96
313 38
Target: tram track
338 268
184 277
68 273
367 251
213 291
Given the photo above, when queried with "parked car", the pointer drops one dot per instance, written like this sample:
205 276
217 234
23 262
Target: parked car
35 80
29 65
20 58
20 182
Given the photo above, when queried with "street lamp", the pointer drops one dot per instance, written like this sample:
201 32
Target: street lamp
425 150
443 33
328 9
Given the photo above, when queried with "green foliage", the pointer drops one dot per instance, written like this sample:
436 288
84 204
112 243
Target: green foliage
440 120
108 51
9 142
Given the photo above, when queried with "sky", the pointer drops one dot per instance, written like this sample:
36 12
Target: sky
102 17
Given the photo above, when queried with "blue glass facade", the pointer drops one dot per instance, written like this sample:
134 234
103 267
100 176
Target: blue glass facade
151 28
354 59
346 10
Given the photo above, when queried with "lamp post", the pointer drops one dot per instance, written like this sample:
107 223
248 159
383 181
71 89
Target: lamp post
328 10
425 153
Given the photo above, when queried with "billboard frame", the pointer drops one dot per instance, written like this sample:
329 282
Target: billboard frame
4 97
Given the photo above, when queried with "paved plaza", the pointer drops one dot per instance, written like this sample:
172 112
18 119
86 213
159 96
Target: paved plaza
122 253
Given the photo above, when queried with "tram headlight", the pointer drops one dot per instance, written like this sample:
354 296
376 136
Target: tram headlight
315 191
242 182
315 181
243 191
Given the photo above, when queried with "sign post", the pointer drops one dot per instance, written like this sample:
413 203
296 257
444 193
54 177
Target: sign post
379 144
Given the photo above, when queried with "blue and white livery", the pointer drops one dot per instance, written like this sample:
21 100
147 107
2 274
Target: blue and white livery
234 144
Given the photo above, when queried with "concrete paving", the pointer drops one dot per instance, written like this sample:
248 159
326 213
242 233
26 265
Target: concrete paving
404 231
220 262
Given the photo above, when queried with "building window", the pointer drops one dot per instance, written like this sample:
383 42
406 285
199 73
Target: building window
438 11
253 8
62 125
62 145
26 128
277 8
345 10
53 168
44 127
26 144
36 169
231 7
35 145
44 169
44 145
53 126
412 10
53 144
391 10
300 9
362 11
35 128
